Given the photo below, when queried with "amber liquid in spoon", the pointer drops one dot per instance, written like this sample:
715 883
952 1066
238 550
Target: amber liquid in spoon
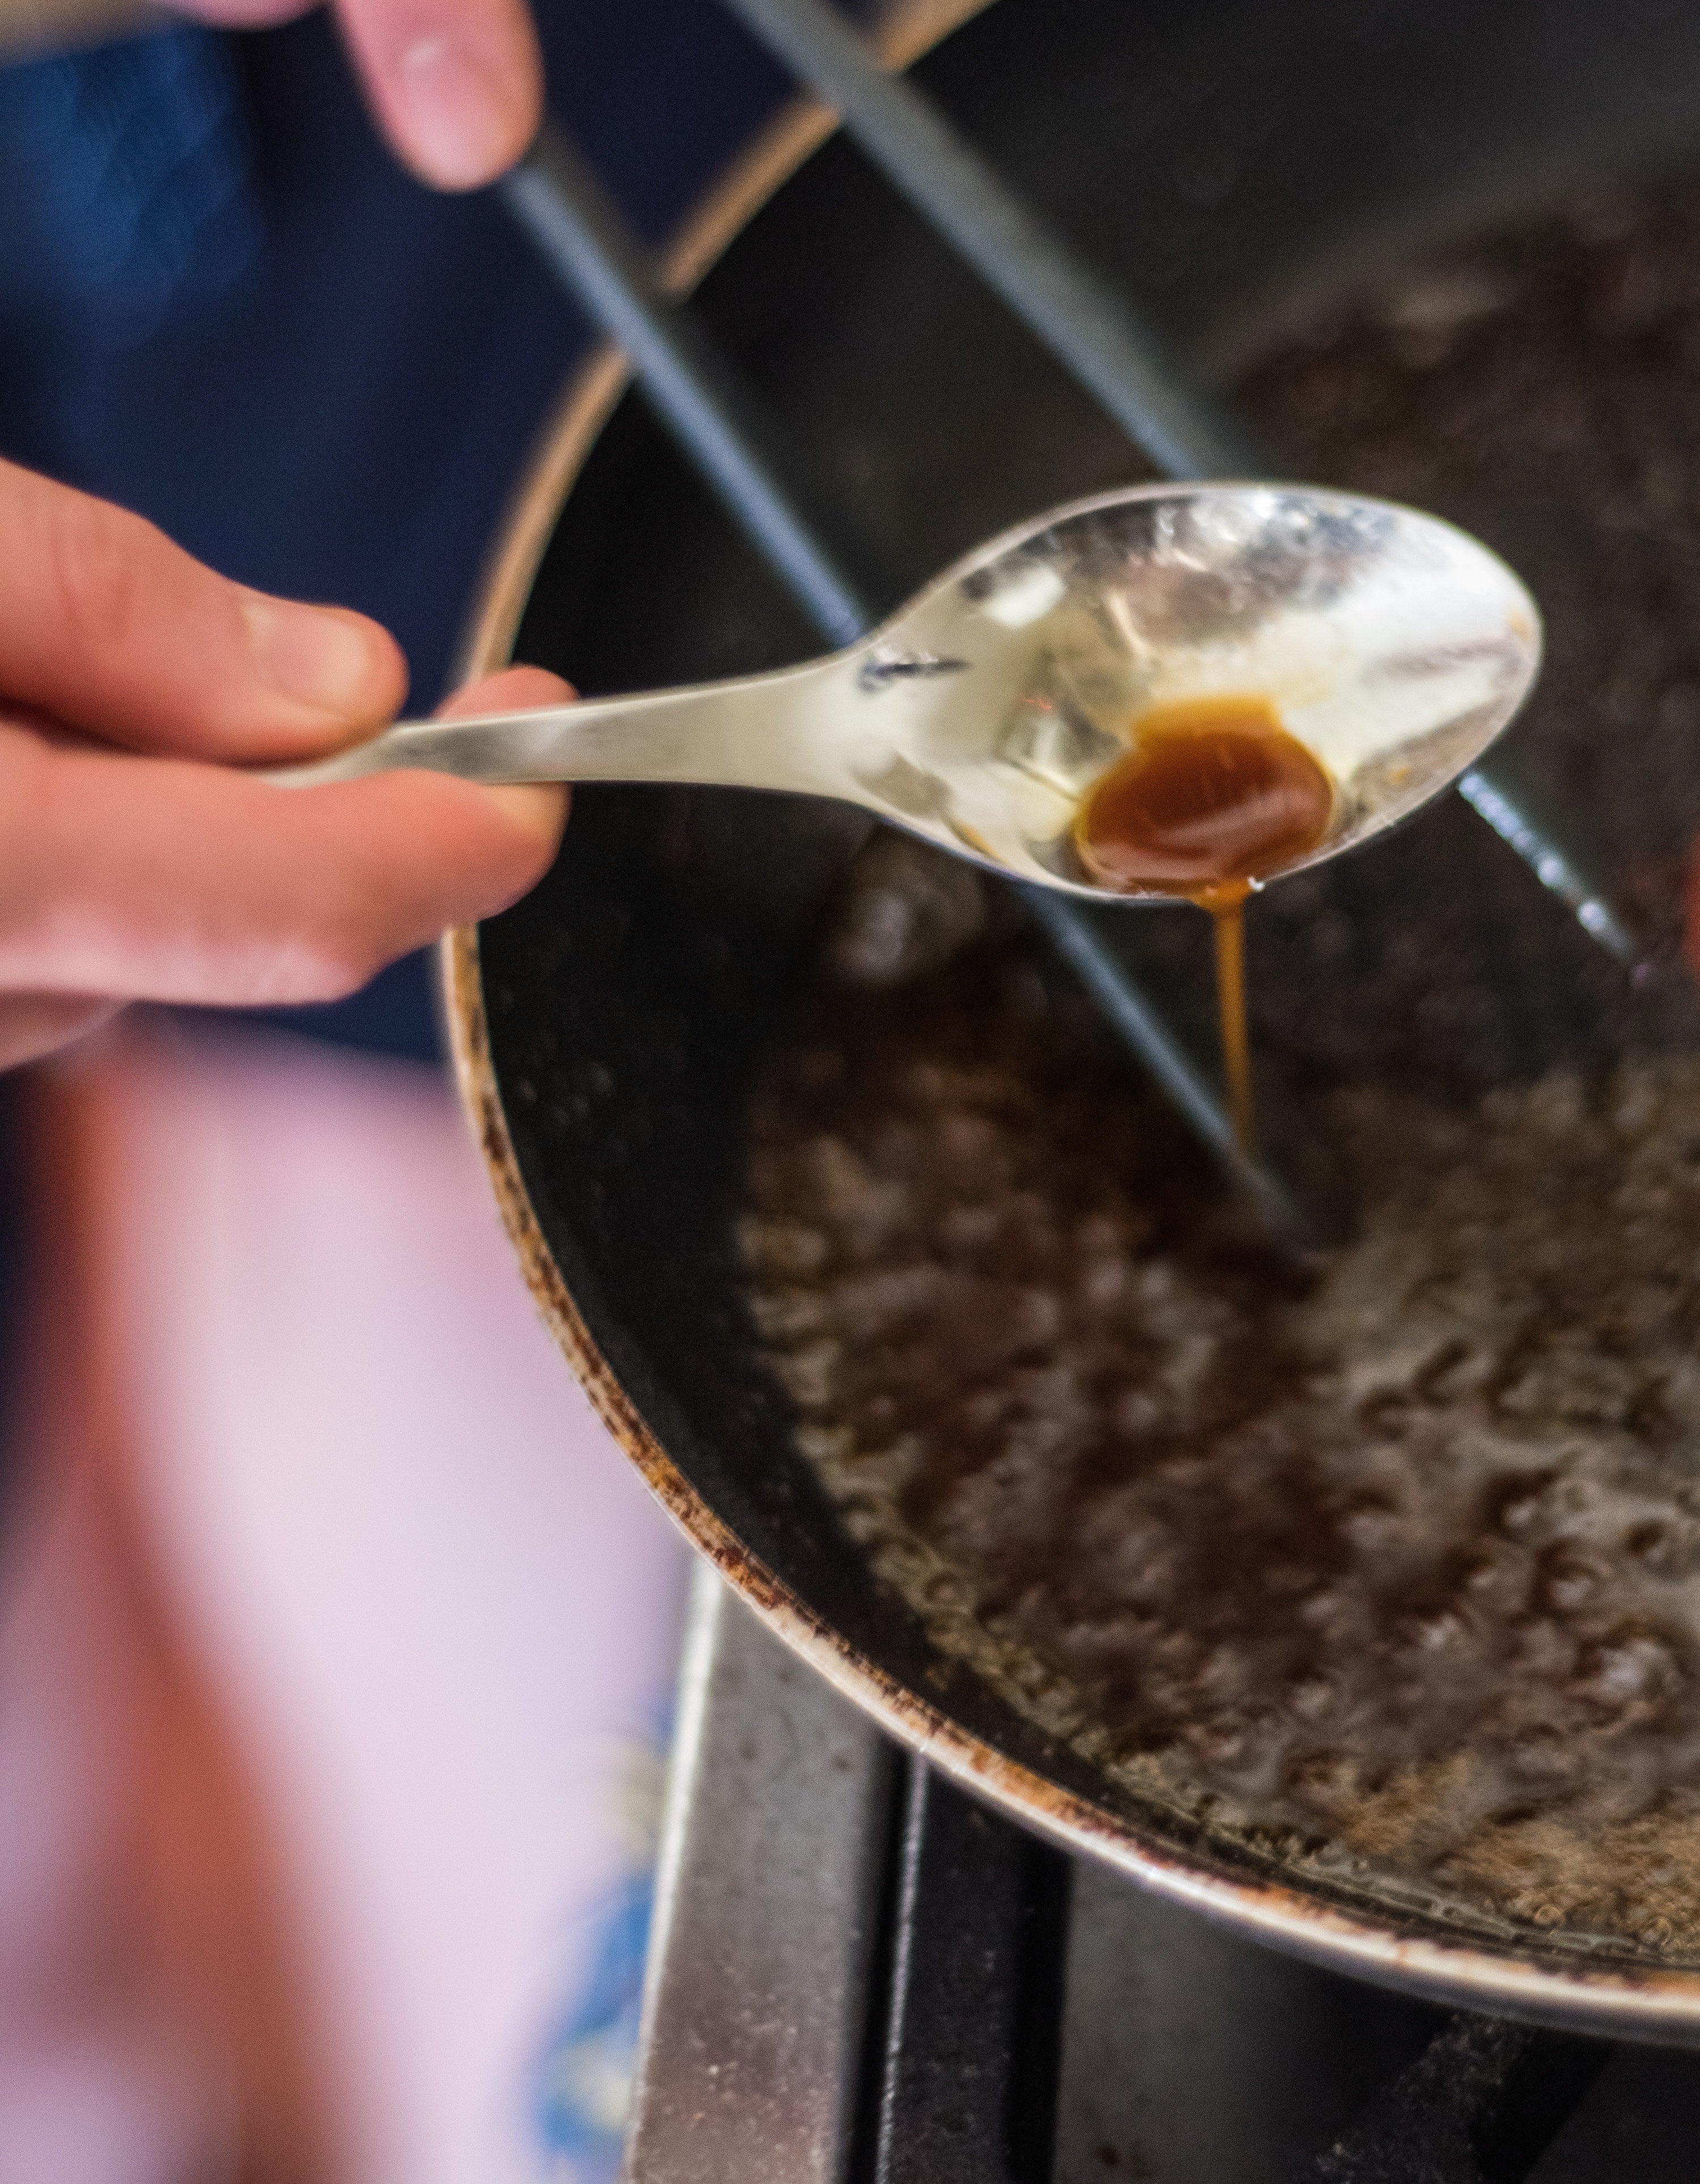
1213 796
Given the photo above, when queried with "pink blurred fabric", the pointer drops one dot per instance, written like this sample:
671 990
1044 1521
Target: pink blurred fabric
432 1606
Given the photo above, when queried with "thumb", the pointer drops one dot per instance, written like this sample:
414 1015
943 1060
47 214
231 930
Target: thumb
110 629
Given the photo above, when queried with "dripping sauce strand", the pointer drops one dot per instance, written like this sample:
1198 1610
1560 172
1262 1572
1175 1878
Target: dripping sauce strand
1213 796
1227 908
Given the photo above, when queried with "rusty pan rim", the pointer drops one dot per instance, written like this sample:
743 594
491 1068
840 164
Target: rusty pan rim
1649 2003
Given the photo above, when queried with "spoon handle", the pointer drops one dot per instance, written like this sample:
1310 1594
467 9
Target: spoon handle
751 732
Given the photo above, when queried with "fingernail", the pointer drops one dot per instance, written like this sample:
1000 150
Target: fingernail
318 656
466 114
540 810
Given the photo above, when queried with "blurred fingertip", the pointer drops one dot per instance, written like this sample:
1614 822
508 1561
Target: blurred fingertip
513 689
539 808
460 107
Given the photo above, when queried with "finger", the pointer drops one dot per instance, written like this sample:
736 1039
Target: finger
112 629
456 85
511 689
514 690
35 1024
167 881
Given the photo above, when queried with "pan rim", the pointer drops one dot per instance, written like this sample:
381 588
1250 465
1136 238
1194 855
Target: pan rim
1559 1986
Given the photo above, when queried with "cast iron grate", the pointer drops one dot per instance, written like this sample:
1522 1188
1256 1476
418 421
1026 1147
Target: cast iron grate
859 1975
1007 2047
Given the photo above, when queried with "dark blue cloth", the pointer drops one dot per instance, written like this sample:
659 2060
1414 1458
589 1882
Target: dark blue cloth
125 189
342 414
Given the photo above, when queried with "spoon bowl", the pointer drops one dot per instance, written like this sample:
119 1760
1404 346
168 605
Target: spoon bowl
1392 646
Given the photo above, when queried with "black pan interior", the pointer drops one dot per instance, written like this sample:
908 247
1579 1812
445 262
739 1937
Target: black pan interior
1231 164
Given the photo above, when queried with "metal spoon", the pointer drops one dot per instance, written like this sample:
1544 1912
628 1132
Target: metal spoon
1393 647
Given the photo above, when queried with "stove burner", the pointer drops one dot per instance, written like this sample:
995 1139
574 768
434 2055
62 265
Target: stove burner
861 1976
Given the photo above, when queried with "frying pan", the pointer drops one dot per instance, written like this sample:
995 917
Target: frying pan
1236 166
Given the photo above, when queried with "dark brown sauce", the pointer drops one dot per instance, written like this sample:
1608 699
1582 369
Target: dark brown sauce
1213 796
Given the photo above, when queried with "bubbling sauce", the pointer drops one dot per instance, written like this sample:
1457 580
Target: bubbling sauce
1213 796
1394 1572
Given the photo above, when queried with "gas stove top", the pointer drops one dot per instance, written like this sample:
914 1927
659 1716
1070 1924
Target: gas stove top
858 1976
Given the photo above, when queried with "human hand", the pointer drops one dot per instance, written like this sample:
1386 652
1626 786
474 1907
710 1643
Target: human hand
137 862
456 85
